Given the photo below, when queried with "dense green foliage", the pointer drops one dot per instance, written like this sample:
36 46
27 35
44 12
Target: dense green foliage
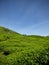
17 49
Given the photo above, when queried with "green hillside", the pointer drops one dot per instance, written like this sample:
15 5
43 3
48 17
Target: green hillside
17 49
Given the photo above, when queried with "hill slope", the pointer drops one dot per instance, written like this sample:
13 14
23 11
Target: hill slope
17 49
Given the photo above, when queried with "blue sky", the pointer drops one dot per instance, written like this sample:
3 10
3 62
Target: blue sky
29 17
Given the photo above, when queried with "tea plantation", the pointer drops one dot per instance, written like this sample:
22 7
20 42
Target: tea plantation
17 49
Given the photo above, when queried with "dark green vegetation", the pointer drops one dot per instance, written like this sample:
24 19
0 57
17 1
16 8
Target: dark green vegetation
17 49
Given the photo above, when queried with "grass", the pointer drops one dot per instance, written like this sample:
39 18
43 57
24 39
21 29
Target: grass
17 49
